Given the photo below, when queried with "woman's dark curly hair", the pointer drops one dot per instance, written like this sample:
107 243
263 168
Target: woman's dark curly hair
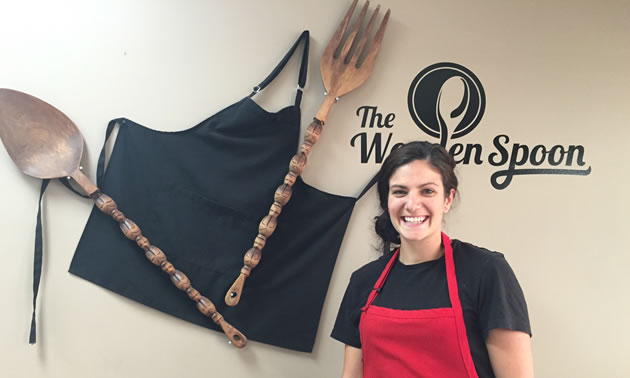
434 154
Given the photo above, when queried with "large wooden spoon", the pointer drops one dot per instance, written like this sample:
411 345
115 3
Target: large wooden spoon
44 143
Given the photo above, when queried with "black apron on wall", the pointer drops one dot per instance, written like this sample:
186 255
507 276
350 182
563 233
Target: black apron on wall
199 195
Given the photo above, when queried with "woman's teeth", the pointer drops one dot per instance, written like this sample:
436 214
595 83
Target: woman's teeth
414 219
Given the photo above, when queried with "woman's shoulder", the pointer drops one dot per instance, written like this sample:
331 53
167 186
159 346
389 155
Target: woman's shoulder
480 265
472 255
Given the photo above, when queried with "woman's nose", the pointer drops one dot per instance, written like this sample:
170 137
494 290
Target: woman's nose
413 201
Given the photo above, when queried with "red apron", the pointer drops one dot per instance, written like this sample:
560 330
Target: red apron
416 343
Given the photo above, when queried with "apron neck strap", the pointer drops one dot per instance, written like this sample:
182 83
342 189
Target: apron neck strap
451 278
381 280
303 68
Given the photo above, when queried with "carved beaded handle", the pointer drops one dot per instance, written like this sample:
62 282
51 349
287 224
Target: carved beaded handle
158 258
268 224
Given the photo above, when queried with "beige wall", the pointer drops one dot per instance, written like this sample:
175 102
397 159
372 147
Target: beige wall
554 72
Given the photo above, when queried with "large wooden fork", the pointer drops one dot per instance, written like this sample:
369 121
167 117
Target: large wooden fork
345 65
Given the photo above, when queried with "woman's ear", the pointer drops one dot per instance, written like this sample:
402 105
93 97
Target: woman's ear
448 201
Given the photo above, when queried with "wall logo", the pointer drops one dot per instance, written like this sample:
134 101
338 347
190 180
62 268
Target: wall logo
427 101
447 101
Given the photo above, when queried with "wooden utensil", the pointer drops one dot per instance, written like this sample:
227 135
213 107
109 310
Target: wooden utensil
345 65
43 142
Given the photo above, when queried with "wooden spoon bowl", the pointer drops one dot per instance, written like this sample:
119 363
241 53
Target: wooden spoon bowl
42 141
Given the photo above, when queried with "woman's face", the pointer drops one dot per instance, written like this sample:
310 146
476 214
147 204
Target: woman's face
417 202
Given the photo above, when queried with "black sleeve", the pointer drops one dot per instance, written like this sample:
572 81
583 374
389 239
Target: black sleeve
501 300
346 327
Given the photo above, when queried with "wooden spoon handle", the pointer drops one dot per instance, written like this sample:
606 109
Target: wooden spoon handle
158 258
268 224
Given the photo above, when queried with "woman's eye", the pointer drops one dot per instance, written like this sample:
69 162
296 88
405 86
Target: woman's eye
398 192
428 191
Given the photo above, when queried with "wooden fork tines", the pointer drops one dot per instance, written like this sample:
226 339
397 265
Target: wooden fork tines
348 62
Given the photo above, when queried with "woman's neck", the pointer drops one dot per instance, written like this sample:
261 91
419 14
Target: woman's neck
416 252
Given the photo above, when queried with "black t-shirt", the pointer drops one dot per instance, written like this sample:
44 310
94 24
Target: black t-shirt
489 294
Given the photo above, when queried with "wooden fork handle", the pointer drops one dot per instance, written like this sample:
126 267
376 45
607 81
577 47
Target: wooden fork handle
326 106
158 258
268 224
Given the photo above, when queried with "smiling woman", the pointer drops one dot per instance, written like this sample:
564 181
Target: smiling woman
432 307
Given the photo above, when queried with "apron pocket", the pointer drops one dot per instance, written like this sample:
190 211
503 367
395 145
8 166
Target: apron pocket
204 233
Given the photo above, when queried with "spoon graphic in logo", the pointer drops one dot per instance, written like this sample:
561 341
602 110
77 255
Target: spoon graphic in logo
452 101
446 101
